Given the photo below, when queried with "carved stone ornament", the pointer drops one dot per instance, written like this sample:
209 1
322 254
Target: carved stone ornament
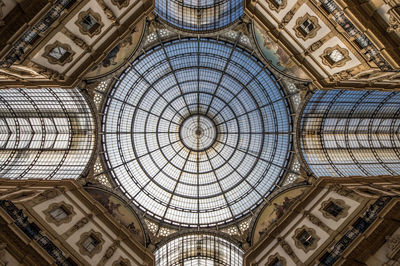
394 19
326 59
78 225
394 242
288 17
309 231
275 6
64 58
95 29
48 73
78 41
109 253
315 220
272 260
121 3
286 247
97 249
344 212
313 47
65 206
299 31
122 261
110 15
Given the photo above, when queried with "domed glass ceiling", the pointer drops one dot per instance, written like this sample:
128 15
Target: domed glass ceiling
199 15
196 132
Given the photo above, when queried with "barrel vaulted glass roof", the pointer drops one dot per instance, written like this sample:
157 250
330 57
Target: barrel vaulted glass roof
196 132
199 15
199 250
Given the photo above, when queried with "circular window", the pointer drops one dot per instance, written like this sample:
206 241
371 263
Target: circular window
196 132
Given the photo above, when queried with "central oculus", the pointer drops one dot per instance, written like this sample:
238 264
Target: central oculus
198 132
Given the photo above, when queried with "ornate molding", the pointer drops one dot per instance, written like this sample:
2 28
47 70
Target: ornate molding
309 231
345 192
340 203
272 260
79 224
120 4
315 220
298 30
69 209
287 18
274 6
82 15
97 249
109 253
48 73
49 48
286 247
110 15
394 19
328 62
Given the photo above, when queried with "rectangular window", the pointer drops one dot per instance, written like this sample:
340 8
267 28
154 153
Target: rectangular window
90 24
333 209
305 238
59 214
335 56
90 243
59 53
306 27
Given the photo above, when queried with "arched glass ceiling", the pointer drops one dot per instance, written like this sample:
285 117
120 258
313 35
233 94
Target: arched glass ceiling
351 133
199 250
199 15
196 132
44 133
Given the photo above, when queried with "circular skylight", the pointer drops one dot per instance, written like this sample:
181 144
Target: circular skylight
196 132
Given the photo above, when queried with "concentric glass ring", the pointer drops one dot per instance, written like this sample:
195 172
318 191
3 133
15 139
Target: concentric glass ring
196 132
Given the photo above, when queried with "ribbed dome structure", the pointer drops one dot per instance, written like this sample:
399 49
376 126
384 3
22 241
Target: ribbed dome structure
196 132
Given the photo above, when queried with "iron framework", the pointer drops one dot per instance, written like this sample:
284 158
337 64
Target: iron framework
153 151
199 15
44 133
351 133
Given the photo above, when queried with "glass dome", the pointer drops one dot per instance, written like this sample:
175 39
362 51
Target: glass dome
199 15
196 132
